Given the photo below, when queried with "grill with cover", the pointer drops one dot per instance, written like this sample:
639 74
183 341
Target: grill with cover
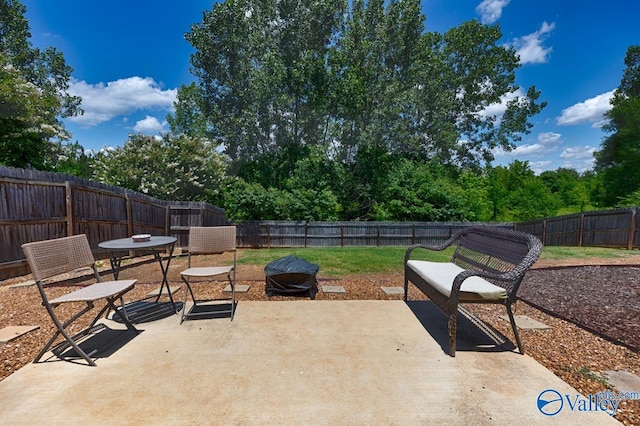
291 275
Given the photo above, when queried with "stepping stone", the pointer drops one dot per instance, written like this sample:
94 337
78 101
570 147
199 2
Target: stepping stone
333 289
155 292
393 290
240 288
623 381
7 334
525 323
23 284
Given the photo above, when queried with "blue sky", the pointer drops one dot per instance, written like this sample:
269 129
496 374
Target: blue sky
130 57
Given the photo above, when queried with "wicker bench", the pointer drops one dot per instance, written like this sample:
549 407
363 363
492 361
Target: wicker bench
487 266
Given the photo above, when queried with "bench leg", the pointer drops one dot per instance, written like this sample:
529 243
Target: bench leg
452 327
515 329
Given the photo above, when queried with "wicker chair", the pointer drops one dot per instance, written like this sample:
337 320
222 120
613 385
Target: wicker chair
487 266
209 240
59 256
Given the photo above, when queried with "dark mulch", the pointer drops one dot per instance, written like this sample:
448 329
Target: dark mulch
603 299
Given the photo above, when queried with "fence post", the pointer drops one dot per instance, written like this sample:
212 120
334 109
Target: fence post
69 206
268 236
305 235
341 235
581 230
129 214
167 220
632 229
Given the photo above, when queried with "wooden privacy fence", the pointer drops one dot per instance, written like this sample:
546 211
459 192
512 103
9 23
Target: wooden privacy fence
38 206
606 228
267 234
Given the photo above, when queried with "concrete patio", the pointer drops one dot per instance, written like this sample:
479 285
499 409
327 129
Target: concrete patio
293 362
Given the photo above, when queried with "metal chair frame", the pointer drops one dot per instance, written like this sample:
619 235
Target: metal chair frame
209 240
54 257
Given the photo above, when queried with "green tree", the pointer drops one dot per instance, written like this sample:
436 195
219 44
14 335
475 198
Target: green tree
359 82
261 67
570 187
168 168
517 194
188 118
71 158
33 93
422 192
618 161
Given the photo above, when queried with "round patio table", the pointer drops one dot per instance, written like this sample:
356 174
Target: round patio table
156 244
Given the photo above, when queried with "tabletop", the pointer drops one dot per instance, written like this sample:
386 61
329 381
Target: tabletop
129 244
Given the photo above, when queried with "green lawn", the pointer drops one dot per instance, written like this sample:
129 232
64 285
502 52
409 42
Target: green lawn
336 262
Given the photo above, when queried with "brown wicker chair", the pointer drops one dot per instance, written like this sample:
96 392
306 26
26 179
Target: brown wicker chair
487 267
209 240
62 255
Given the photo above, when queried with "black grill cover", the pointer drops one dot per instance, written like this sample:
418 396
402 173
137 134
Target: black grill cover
291 275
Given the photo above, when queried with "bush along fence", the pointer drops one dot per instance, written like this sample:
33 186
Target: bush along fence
38 206
607 228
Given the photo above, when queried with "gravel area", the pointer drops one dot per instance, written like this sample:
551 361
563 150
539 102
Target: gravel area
593 312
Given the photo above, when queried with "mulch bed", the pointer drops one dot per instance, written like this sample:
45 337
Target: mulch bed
593 312
602 299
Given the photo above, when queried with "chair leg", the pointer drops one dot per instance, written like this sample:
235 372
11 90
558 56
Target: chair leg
123 317
61 330
187 290
515 329
233 294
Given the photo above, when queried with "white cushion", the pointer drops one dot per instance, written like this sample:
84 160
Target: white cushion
440 275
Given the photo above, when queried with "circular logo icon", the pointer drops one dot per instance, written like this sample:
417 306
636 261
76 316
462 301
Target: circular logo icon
550 402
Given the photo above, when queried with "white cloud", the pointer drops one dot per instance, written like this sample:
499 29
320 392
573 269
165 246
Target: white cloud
149 125
539 166
491 10
589 111
547 142
579 158
530 47
578 152
102 102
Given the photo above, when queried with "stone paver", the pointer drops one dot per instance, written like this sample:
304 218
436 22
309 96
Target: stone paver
240 288
526 323
333 289
11 332
393 290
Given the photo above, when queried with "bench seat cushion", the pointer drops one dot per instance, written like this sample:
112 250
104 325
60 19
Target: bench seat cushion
440 275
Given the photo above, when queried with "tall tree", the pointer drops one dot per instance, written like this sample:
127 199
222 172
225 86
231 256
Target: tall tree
261 66
361 80
33 92
618 161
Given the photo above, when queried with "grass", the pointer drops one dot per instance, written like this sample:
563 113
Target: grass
560 253
336 262
340 261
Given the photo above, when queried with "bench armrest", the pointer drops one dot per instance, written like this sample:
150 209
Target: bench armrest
439 247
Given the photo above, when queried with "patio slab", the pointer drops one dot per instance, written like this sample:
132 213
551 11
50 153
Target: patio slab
294 362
